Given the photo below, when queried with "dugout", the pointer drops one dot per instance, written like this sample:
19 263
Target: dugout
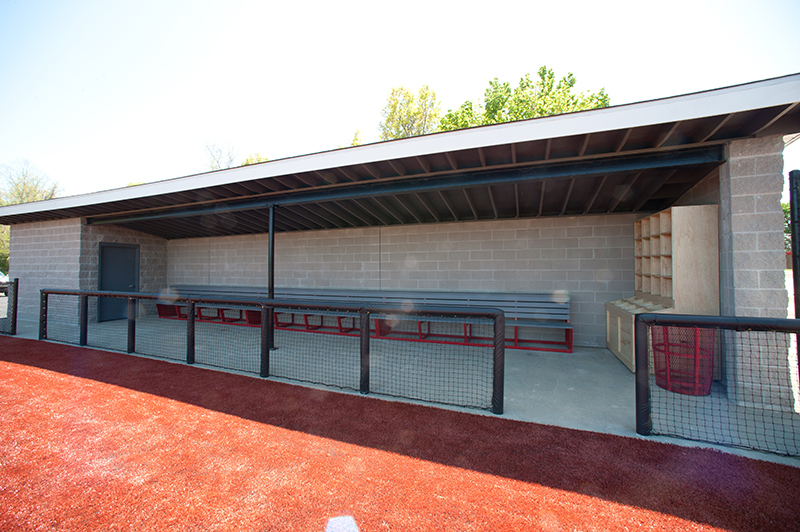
540 205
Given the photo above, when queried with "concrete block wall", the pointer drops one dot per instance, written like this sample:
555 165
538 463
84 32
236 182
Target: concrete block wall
752 258
152 261
752 262
589 257
152 256
65 254
344 258
44 255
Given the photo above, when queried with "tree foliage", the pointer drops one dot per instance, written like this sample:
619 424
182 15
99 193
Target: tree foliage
532 98
407 114
254 158
21 183
24 183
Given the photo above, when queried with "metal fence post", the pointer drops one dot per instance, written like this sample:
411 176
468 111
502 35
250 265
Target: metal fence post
13 306
190 332
267 339
499 363
794 230
131 325
42 315
364 318
644 425
83 317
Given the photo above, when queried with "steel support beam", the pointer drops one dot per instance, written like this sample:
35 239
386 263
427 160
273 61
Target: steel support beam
389 187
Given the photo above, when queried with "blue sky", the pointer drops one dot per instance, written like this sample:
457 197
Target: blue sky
100 94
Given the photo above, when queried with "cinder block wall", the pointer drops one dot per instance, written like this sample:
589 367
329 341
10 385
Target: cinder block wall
589 257
152 261
152 256
44 255
752 262
65 254
752 259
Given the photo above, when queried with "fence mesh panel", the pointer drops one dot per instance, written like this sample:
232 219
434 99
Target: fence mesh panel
222 339
727 387
315 346
435 372
324 357
62 318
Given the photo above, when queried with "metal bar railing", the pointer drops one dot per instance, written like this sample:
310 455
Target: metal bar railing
267 309
750 395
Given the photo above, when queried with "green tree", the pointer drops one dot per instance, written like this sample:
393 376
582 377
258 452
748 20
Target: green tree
532 98
408 115
254 158
21 183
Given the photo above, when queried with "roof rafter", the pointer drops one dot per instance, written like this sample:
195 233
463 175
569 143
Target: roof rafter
584 145
423 164
428 205
397 167
370 209
620 195
651 189
385 204
449 207
469 202
491 200
665 136
411 210
597 190
566 198
452 160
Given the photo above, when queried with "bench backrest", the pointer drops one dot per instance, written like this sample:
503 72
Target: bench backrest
535 305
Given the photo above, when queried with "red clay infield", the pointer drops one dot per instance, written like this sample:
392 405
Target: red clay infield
93 440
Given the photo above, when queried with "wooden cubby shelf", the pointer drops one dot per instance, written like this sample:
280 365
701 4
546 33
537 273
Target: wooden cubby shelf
676 270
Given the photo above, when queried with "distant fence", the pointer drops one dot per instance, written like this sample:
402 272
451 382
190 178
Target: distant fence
8 308
347 346
724 380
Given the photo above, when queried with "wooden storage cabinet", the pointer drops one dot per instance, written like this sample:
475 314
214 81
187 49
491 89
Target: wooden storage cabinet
676 270
620 323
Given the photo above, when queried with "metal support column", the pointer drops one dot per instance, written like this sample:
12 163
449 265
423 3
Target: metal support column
644 424
83 317
271 283
794 216
131 325
364 319
266 341
499 363
14 308
42 315
190 332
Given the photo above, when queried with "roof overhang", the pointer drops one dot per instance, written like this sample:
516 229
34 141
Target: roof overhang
632 158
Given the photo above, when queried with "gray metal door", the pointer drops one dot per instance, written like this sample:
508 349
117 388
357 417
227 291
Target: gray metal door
118 272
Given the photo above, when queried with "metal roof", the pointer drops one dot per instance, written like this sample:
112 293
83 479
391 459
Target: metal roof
632 158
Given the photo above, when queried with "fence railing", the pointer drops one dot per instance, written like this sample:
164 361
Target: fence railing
725 380
312 341
8 308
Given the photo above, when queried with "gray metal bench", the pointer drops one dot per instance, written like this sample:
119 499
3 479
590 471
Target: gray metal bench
522 310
